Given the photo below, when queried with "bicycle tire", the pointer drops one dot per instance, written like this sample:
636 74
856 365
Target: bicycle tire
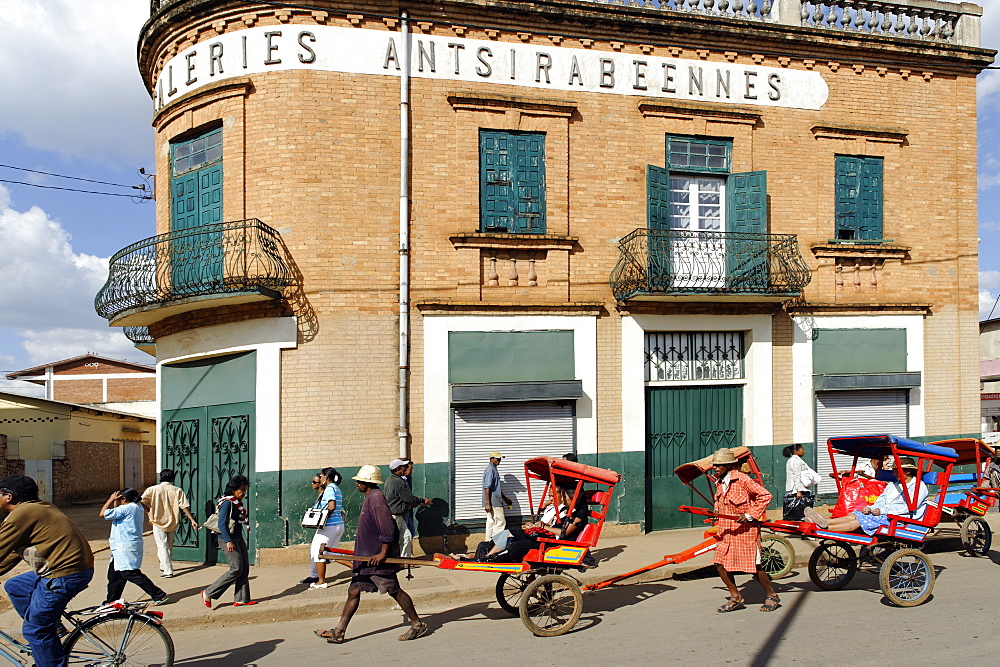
148 644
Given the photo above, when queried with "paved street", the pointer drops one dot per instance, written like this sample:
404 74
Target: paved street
667 621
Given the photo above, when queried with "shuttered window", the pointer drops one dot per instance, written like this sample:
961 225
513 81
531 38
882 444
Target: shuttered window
847 413
859 198
512 182
519 431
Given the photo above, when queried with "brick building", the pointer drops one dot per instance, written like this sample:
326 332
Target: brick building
94 380
639 232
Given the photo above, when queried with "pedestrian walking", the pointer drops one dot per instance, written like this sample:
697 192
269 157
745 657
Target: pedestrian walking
317 485
331 532
233 516
493 497
401 502
377 538
799 477
61 562
165 502
739 539
127 516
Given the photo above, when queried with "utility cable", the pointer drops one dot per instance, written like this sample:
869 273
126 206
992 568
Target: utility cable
75 178
91 192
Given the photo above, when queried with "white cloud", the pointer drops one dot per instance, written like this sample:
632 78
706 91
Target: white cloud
987 181
48 290
21 387
988 83
94 102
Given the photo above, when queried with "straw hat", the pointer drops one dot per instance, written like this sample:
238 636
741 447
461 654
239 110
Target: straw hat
907 462
369 474
723 457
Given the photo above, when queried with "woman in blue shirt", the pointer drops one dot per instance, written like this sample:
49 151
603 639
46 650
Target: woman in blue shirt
126 519
329 535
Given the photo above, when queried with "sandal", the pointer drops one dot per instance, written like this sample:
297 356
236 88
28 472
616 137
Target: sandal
414 632
770 604
731 605
331 636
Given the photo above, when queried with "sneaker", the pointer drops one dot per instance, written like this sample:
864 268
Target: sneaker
164 600
309 580
815 517
314 587
167 575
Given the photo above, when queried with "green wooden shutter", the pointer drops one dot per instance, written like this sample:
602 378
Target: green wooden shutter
870 200
529 177
746 213
859 198
657 218
496 181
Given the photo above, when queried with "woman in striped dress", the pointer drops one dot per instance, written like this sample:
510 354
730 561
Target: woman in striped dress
739 546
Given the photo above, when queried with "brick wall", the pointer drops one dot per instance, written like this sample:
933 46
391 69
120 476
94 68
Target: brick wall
90 469
78 391
131 389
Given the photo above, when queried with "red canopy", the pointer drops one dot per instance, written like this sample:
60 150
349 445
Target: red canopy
542 466
689 472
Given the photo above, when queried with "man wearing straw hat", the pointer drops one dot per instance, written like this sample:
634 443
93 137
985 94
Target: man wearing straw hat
743 499
377 537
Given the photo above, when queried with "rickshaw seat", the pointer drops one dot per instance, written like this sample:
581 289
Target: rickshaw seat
962 478
929 477
597 497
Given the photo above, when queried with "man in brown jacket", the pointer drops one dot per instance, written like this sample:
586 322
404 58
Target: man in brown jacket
61 560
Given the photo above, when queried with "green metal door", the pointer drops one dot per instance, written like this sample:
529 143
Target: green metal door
196 201
684 424
207 436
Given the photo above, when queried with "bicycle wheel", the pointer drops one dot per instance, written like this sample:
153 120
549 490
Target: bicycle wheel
976 536
833 565
776 556
510 586
119 640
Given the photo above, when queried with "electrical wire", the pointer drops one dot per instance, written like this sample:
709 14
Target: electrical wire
75 178
91 192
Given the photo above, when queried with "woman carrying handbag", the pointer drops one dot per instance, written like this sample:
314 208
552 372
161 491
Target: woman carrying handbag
798 478
233 519
330 530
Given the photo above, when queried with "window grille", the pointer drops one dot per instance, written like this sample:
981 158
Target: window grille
699 355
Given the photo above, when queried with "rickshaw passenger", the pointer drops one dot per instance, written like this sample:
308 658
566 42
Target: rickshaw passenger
519 541
891 501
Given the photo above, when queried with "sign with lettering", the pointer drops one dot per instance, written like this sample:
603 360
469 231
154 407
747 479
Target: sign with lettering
378 52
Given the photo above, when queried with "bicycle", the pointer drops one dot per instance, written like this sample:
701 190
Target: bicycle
115 634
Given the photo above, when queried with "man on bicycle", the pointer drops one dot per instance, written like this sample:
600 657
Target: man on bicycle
61 560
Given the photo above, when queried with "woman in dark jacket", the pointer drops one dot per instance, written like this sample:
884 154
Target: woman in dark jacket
232 518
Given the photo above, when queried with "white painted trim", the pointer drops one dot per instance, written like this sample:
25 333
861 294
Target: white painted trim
758 426
804 398
267 337
437 408
88 376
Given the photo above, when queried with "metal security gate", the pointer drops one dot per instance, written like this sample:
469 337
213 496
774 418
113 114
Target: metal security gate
132 464
519 431
684 424
845 413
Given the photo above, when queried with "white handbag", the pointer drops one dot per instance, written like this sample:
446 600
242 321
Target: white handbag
315 517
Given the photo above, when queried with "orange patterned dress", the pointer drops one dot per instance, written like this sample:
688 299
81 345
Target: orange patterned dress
739 546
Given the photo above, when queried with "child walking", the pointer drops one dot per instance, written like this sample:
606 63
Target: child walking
126 515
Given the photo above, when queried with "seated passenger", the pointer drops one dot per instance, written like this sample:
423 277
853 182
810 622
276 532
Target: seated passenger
891 501
510 546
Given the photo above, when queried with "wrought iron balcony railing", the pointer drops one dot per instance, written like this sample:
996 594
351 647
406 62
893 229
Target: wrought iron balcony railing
655 262
139 336
219 259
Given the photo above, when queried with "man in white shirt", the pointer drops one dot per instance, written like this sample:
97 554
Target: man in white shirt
165 502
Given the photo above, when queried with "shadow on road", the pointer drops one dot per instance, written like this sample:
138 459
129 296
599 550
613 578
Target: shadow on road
244 655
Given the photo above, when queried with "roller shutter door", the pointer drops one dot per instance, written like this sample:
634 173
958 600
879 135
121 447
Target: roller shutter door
519 431
844 413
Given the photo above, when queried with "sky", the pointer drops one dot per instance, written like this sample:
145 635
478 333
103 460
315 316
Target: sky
72 103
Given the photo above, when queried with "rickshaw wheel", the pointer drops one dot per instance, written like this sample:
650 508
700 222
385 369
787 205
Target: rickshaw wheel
833 565
777 556
907 578
551 605
976 536
510 587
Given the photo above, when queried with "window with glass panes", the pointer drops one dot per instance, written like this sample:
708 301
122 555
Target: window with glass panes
196 180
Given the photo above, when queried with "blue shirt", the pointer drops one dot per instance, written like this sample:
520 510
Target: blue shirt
333 492
491 481
126 535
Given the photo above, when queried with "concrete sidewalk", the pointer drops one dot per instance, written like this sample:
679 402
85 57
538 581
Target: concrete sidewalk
282 598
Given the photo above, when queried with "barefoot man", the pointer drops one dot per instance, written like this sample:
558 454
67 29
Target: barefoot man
377 537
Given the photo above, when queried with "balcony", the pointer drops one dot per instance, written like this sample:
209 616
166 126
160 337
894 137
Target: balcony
681 265
202 267
141 339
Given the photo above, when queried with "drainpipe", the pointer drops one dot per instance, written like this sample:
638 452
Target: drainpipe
404 235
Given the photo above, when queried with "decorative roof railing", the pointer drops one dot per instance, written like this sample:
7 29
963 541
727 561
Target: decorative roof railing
217 259
670 262
139 336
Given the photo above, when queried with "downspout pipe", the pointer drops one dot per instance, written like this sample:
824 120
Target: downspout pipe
404 235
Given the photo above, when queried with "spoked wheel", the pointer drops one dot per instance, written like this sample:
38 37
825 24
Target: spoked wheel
776 556
833 565
510 586
551 605
907 578
878 552
976 536
121 640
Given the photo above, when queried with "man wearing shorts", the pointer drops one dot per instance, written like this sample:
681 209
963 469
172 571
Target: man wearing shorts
378 539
